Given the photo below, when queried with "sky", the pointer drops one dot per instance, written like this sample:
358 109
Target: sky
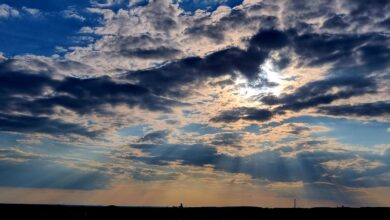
205 103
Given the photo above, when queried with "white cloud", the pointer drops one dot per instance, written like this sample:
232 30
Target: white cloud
358 164
107 3
162 25
54 65
134 2
71 13
32 11
7 11
2 57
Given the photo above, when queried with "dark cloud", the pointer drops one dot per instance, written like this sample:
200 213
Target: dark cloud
376 8
306 166
34 95
364 109
223 83
164 23
200 129
347 51
153 175
282 63
335 22
298 129
156 137
91 94
80 95
213 32
384 23
152 53
320 92
318 49
355 59
243 113
170 78
319 182
36 124
271 39
13 83
237 18
197 155
123 44
227 139
339 16
307 144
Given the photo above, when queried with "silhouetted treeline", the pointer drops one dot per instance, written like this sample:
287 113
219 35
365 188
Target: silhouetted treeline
175 213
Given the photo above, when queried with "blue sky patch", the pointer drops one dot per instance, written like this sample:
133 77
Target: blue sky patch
208 5
349 131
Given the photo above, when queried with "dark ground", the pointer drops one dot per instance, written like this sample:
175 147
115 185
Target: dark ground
113 212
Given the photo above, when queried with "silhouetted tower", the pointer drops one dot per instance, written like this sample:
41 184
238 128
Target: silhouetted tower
295 203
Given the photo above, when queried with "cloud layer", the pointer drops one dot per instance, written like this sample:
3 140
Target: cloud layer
288 96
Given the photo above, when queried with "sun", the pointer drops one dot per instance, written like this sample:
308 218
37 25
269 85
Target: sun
269 73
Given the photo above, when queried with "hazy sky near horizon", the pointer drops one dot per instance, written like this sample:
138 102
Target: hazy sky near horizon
206 103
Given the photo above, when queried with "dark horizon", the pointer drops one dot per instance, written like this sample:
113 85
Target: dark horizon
215 213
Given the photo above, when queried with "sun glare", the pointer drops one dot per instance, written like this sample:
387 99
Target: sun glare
249 89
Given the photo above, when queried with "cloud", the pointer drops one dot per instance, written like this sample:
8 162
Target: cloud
43 65
238 18
108 3
154 53
80 95
32 11
335 22
321 92
31 101
154 175
319 15
2 57
170 78
155 137
227 139
7 11
34 124
198 155
355 164
243 113
306 166
147 66
363 54
367 51
200 129
271 39
71 13
168 26
364 109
